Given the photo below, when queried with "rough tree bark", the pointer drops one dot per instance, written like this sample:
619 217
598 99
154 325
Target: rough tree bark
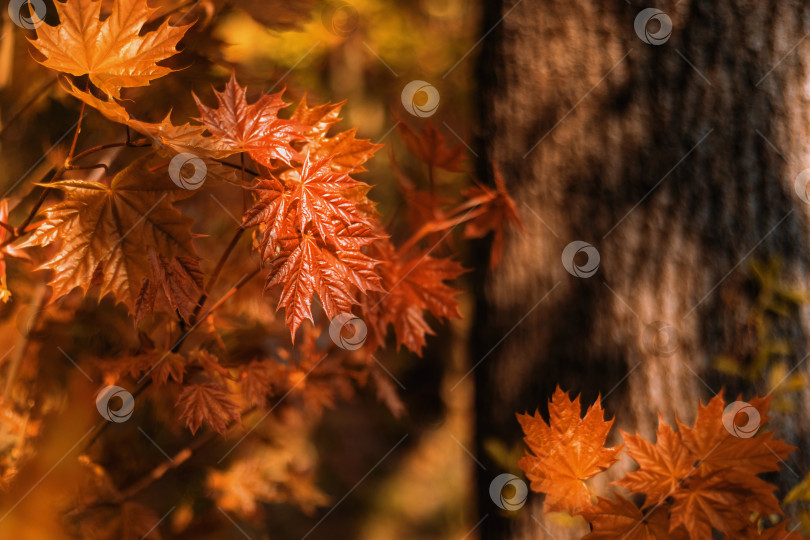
677 163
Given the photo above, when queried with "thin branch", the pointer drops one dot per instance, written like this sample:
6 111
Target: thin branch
195 320
216 273
233 290
58 172
22 229
237 167
178 459
89 167
244 191
223 259
157 472
192 3
176 347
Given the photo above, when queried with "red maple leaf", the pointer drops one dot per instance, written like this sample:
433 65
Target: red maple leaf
413 284
499 210
318 195
431 147
347 153
254 128
336 273
207 402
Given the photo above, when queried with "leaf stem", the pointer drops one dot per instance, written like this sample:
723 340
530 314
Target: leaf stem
234 166
437 226
244 191
101 147
76 134
215 274
19 231
223 258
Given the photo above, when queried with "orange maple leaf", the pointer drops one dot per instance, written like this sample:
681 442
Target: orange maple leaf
319 119
566 452
709 475
319 195
112 52
623 519
106 230
663 465
270 210
724 490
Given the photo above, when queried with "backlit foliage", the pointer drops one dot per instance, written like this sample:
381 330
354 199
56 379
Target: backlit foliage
693 480
114 224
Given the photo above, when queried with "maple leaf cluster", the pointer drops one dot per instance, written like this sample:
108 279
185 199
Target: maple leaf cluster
694 480
119 227
318 232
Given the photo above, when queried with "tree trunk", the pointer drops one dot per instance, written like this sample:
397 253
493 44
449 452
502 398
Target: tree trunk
677 163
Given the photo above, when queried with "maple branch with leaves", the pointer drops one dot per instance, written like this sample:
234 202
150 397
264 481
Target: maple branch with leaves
123 232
